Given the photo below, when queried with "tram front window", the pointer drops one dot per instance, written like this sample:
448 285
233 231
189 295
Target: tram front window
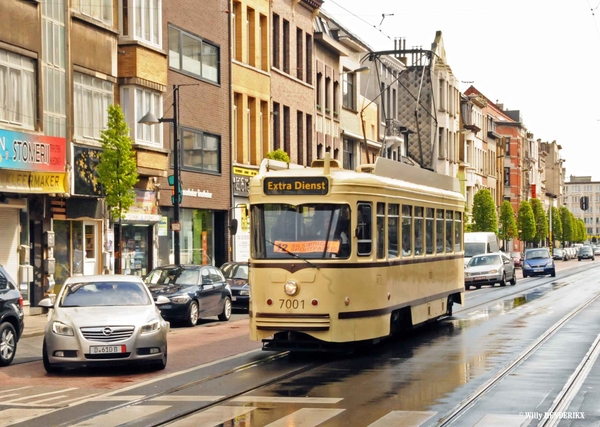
311 231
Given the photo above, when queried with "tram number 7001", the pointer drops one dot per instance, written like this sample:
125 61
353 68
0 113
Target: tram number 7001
291 303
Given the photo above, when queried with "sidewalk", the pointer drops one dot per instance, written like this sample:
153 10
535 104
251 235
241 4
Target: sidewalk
35 325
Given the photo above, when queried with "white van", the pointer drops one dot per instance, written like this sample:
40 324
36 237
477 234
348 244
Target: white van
480 242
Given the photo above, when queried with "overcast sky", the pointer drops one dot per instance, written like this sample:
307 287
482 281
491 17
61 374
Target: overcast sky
537 56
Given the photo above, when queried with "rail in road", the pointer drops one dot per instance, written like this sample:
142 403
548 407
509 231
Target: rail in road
206 396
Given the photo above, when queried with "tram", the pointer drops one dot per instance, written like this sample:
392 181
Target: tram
341 257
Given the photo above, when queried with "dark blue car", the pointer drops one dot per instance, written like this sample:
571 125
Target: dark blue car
236 274
11 317
195 291
538 262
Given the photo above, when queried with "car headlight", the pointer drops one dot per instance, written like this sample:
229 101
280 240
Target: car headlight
549 264
180 299
493 271
60 328
151 327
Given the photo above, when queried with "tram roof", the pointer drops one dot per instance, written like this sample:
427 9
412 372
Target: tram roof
383 171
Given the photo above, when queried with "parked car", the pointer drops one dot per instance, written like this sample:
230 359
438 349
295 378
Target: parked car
489 269
596 250
236 274
104 319
585 252
537 261
11 317
517 258
194 292
559 254
571 252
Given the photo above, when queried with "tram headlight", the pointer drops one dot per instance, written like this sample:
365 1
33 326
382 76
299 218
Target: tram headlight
291 288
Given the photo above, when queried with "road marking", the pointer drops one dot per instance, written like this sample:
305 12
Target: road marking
500 420
40 395
17 415
213 416
306 417
60 396
403 419
186 398
122 416
274 399
128 398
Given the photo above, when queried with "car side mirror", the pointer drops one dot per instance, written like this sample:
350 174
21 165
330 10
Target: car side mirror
46 303
162 300
207 281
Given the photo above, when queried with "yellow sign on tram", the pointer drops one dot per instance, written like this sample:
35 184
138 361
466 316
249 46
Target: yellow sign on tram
315 185
307 247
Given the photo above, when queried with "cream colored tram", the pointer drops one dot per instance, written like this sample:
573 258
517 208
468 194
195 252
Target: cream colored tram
340 257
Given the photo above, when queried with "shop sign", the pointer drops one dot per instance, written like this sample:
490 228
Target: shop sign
204 194
163 226
241 181
144 207
32 182
24 151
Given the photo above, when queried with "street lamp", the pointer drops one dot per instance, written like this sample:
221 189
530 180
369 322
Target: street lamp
150 119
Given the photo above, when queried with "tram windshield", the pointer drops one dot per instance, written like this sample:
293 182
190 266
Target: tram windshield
310 231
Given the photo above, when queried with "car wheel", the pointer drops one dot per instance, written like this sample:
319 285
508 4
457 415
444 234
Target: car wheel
524 275
503 281
553 274
478 287
449 306
161 364
578 259
226 314
8 343
513 281
467 287
49 367
192 317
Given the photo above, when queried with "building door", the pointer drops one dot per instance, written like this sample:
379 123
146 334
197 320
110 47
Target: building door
90 262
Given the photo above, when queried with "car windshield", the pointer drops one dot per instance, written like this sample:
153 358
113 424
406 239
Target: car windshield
235 271
585 249
536 254
515 254
474 248
485 260
100 294
310 231
173 276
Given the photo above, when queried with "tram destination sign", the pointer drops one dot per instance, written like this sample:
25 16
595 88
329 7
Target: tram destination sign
280 186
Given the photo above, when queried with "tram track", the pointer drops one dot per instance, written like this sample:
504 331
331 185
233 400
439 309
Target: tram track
221 375
565 396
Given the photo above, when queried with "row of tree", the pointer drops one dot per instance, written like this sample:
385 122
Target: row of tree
530 225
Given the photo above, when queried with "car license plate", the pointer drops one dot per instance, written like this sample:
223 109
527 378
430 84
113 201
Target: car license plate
538 270
479 278
233 298
108 349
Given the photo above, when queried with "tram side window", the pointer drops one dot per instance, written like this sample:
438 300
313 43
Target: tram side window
393 215
380 230
429 231
439 231
419 231
449 246
363 231
457 231
406 230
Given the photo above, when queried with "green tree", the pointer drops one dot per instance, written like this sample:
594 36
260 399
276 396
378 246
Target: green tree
117 169
526 222
557 230
508 225
484 212
541 222
278 154
567 228
581 231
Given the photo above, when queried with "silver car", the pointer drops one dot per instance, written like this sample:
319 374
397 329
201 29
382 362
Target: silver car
104 319
488 269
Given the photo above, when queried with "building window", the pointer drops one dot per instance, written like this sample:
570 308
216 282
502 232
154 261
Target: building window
286 46
300 137
276 41
92 96
349 148
141 20
53 65
100 10
136 102
201 151
308 58
193 55
263 46
309 146
17 90
286 129
276 126
507 177
441 144
348 90
299 53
